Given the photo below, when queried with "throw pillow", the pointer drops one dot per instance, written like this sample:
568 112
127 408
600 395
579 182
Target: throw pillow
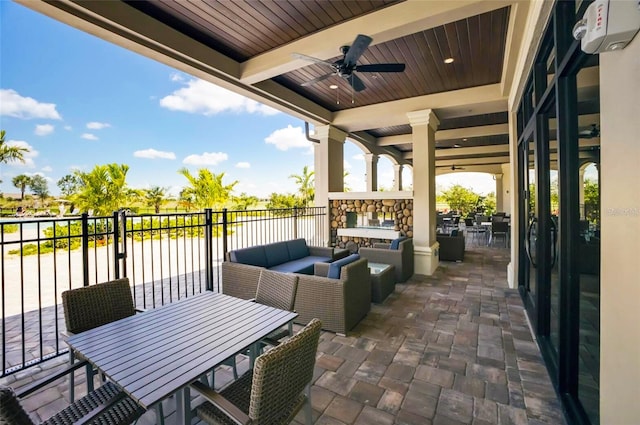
334 268
395 244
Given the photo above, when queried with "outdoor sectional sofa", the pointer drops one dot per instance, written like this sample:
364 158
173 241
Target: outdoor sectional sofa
293 256
339 302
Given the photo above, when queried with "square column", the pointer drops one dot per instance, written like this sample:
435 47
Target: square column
424 125
371 161
328 169
620 235
499 197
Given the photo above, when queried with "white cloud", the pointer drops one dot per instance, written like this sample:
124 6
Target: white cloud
346 165
154 154
46 169
358 157
14 105
288 138
243 165
68 127
355 183
176 77
94 125
207 158
28 156
202 97
38 173
43 129
89 136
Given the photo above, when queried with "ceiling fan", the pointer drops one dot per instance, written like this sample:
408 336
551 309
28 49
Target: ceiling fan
453 167
347 66
591 132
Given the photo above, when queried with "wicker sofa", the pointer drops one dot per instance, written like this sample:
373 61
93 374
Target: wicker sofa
339 303
293 256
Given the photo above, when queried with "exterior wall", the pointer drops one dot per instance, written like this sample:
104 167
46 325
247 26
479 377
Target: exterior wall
620 212
401 208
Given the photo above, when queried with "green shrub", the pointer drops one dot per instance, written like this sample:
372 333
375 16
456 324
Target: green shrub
9 228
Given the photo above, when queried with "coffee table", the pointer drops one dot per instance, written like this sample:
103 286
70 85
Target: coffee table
382 281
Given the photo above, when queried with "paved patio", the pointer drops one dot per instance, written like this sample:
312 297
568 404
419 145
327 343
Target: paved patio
453 348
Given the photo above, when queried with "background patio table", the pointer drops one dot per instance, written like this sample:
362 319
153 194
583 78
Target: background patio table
157 353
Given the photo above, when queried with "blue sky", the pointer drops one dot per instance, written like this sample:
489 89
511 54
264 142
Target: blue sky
76 101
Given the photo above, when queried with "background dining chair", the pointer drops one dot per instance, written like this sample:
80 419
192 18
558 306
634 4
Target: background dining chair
92 306
500 228
108 404
272 392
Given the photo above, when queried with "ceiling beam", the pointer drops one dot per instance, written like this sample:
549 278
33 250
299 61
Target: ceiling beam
474 150
387 24
455 133
478 100
515 34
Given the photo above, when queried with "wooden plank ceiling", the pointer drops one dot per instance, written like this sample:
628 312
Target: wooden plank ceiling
247 44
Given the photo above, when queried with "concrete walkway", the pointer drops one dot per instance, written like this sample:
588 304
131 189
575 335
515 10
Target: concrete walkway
453 348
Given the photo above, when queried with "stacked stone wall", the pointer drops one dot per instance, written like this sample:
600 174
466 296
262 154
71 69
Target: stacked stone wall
402 210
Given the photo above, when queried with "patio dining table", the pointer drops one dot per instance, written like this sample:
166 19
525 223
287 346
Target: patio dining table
155 354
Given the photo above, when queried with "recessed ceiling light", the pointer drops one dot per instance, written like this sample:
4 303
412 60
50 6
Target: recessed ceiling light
464 140
333 86
448 60
456 145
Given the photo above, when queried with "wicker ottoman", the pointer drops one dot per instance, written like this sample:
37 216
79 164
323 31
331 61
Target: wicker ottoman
382 281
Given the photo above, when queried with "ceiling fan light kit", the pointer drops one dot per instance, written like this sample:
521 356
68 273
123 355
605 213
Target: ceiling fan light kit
347 67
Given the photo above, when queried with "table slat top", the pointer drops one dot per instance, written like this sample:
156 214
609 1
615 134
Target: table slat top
153 354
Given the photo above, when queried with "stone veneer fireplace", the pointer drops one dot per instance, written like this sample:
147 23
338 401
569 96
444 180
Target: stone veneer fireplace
401 210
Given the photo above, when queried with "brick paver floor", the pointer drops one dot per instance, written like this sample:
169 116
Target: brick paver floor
452 348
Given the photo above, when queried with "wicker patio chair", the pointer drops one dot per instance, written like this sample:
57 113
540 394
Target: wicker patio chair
278 290
274 391
107 405
92 306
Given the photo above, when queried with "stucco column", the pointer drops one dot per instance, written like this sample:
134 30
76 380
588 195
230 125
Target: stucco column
424 125
328 170
620 235
581 191
397 177
499 197
506 187
371 161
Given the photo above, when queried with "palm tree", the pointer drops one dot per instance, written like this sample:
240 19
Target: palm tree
10 153
21 182
103 189
305 185
206 189
155 197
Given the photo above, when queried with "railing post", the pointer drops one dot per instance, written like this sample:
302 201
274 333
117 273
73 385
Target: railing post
85 248
116 251
208 248
295 222
123 242
225 220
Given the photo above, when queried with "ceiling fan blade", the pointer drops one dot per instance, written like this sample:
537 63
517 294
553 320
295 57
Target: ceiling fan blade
356 82
310 58
317 80
358 47
381 67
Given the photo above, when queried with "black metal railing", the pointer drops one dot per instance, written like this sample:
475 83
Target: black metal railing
166 257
